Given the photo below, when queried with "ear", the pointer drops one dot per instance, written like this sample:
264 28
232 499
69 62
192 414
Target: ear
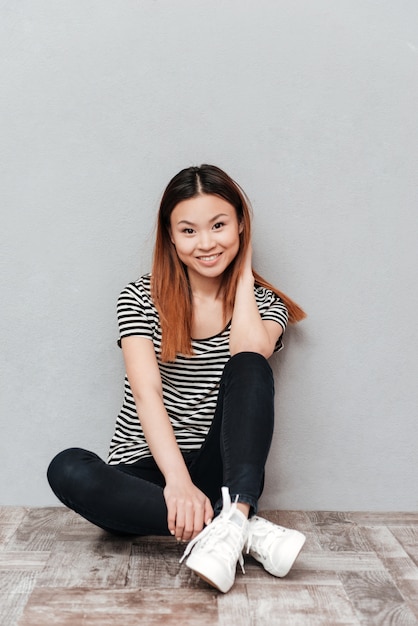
240 227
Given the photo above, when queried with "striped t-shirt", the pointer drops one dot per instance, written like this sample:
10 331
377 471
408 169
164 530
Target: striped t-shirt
190 384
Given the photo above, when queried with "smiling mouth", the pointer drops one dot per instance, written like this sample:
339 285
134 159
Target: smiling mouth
212 257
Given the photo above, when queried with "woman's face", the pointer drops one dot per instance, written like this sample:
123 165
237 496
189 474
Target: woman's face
205 231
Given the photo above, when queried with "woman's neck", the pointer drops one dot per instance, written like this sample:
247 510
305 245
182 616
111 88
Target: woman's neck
203 288
208 317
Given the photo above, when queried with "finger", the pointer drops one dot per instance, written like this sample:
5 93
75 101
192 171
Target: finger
208 512
171 518
189 522
198 521
180 522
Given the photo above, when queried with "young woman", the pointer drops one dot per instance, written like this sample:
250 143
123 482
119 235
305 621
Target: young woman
191 440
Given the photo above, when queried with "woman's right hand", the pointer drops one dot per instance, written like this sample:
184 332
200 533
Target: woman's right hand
189 509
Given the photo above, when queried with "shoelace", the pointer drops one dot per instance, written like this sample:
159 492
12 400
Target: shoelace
218 530
263 531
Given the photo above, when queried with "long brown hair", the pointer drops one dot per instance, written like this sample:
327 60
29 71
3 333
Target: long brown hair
170 286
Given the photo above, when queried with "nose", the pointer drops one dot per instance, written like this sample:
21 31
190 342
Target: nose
206 241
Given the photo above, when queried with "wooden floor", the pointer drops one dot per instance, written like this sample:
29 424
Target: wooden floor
355 568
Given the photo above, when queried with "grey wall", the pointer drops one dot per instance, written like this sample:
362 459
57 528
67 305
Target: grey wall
312 107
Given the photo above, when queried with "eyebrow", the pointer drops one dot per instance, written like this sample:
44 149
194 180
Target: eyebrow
211 220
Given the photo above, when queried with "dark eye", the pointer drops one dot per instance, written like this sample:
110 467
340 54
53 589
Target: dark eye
188 231
218 225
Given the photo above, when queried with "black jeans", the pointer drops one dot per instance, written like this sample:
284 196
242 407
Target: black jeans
128 498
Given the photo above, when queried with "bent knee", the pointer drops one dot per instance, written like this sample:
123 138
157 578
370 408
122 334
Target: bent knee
249 361
67 468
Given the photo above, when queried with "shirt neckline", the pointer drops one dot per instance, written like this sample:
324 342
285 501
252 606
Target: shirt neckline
214 336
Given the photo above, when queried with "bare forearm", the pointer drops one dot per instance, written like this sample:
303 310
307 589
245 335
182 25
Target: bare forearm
247 329
188 508
160 437
249 332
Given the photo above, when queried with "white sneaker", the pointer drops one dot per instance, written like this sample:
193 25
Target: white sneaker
218 548
275 547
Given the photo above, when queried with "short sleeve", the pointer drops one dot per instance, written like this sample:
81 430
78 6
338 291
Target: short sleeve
272 307
135 313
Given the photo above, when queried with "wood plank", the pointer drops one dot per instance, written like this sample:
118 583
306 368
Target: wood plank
38 528
16 581
384 542
365 518
12 514
408 538
345 537
392 554
326 518
297 605
401 568
392 518
110 607
409 590
10 519
96 565
376 599
337 532
16 587
6 533
338 562
155 563
23 561
234 608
